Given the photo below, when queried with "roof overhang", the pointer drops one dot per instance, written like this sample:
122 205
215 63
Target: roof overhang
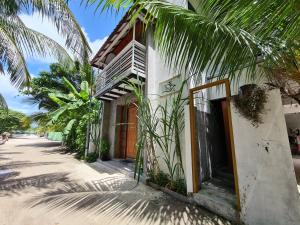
122 28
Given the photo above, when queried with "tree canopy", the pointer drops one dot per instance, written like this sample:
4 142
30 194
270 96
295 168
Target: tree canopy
13 121
52 81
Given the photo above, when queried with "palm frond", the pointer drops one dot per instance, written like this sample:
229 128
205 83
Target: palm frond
197 43
63 19
222 36
12 60
32 42
3 103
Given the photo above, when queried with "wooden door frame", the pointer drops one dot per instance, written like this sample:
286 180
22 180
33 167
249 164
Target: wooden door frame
195 173
132 104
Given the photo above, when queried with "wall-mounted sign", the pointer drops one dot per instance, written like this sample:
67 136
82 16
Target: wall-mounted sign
170 86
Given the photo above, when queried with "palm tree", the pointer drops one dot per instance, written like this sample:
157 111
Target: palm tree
221 37
3 104
17 40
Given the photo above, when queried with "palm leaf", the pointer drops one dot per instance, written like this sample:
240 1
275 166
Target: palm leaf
63 19
221 37
3 103
12 60
31 42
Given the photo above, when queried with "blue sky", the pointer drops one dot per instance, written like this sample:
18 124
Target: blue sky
96 26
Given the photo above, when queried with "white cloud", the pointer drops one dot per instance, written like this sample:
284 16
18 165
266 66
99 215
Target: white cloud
46 27
6 87
14 99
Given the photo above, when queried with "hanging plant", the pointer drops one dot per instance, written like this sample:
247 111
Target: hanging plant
250 102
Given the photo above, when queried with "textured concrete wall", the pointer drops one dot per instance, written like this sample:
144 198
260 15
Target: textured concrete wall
267 182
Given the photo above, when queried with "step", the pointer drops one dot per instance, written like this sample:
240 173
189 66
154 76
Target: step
218 200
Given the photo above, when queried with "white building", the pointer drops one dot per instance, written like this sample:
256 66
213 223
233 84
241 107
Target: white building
242 172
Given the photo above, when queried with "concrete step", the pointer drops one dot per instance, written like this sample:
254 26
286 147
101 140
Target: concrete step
218 200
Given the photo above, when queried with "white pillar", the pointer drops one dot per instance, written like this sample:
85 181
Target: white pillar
188 151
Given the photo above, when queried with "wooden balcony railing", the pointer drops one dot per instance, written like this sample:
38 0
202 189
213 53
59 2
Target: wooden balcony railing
131 60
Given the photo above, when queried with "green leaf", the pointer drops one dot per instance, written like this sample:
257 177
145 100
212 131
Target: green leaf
70 86
84 92
55 98
69 126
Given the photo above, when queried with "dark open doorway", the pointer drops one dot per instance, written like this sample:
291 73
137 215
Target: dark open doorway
215 180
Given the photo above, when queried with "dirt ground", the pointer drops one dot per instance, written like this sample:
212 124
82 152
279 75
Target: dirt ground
40 185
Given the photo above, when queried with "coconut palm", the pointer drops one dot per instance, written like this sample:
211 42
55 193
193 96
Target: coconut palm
2 102
18 41
221 37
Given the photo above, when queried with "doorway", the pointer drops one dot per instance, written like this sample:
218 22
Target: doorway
131 134
220 152
213 156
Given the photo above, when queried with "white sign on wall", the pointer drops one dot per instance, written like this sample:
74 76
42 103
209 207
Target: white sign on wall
170 86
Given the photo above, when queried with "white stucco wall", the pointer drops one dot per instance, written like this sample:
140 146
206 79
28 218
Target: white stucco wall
157 72
267 181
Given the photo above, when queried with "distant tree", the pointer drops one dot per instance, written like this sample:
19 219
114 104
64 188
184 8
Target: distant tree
3 104
12 121
52 81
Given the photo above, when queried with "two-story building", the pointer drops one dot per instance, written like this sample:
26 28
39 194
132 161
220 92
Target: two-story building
240 171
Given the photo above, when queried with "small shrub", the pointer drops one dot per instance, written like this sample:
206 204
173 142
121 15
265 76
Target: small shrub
159 178
180 186
104 150
91 157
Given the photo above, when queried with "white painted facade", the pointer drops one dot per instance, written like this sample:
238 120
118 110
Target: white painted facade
266 179
267 182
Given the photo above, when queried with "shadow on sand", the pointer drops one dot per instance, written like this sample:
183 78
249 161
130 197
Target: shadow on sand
48 144
24 164
15 186
123 201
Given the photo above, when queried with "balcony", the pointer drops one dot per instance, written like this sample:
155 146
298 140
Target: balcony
128 66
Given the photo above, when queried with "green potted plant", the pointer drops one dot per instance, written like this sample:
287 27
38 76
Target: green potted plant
104 150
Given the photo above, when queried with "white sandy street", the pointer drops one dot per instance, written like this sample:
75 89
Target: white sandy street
40 185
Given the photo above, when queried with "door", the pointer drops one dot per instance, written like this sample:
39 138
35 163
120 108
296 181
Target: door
227 135
131 131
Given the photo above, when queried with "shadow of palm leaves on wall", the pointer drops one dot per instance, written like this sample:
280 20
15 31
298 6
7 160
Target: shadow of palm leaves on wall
123 201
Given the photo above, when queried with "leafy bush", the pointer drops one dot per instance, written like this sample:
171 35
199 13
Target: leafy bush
159 178
12 121
162 179
180 186
92 157
104 149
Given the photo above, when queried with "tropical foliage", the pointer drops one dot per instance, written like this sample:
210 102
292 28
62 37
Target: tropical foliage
221 37
3 104
160 129
76 110
18 41
11 121
52 81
